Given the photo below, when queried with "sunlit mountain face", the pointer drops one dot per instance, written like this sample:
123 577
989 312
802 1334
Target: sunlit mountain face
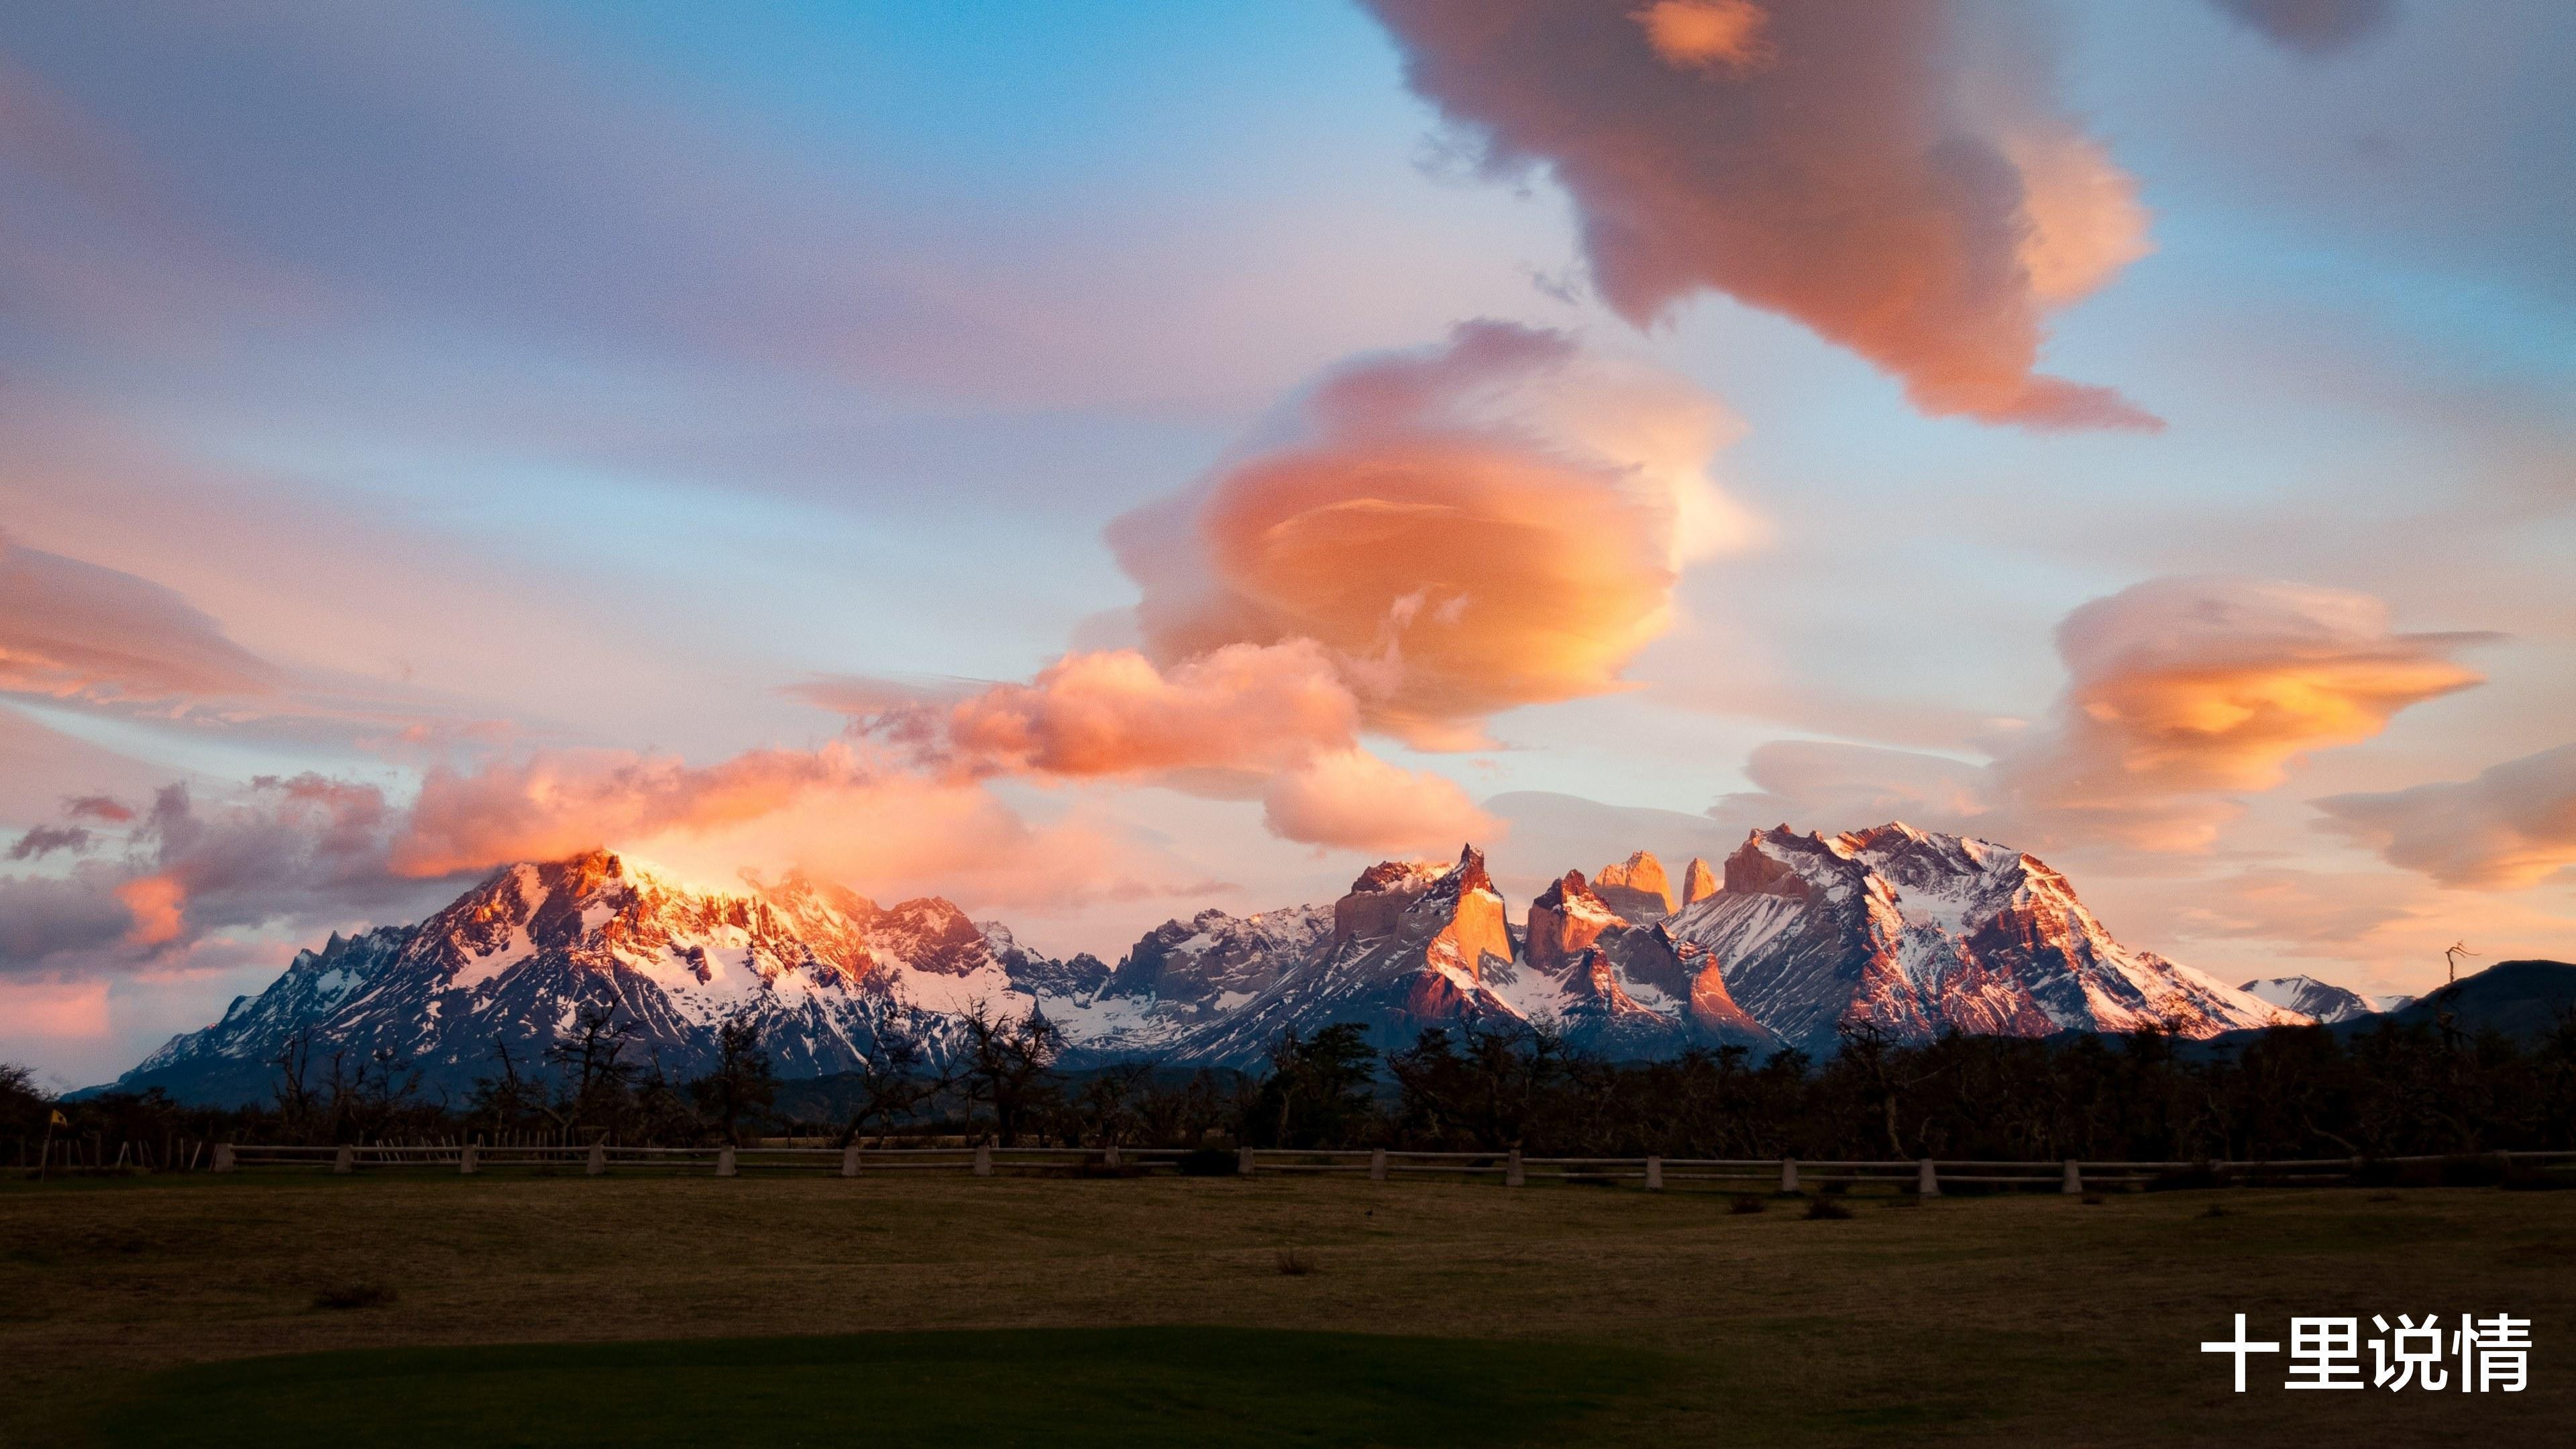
1898 932
1130 475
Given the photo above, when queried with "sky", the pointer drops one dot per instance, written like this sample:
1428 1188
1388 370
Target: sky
1102 461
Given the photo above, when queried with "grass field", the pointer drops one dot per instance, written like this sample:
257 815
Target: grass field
634 1310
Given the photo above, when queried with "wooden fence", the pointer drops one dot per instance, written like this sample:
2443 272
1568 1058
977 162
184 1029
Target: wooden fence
1923 1176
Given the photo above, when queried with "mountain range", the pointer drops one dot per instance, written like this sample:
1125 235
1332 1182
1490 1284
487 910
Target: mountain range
1793 939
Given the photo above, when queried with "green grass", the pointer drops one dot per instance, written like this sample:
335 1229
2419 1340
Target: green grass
1128 1387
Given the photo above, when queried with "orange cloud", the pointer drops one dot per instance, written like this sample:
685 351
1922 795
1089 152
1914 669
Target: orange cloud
837 812
156 902
2514 825
1839 164
1426 539
1269 719
559 803
2185 689
1354 800
2182 694
1242 707
1492 523
1707 33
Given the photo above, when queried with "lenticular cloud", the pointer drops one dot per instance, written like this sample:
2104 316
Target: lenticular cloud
1420 541
1495 522
1861 168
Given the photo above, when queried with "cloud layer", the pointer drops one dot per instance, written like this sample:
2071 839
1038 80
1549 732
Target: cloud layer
1862 169
75 631
2184 691
2513 825
2183 695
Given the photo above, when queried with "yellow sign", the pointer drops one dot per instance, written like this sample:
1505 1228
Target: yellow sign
60 1120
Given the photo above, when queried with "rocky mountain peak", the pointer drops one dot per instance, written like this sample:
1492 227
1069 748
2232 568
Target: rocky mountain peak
1379 898
1636 888
1698 883
1564 921
1462 915
1914 931
1918 931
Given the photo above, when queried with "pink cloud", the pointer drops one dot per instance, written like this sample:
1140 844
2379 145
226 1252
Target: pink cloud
838 812
2512 825
1241 707
1272 719
53 1009
1356 801
1839 164
157 902
75 631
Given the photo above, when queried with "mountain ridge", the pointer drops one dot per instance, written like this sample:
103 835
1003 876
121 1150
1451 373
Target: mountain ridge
1794 939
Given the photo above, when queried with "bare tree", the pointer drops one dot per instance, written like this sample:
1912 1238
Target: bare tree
293 1063
1006 1065
742 1081
895 1075
598 1078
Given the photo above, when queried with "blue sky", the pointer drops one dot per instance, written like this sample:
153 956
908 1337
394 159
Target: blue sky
528 379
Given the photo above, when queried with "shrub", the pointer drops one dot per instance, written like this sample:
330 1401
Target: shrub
1747 1204
1297 1263
1209 1162
1825 1207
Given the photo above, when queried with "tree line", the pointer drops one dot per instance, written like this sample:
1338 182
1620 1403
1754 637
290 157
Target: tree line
2394 1090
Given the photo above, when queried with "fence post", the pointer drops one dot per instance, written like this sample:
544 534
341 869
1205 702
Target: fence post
1512 1169
598 1164
1243 1161
345 1160
469 1160
725 1165
850 1160
1788 1174
1927 1183
223 1157
1109 1156
1377 1164
2074 1185
1654 1174
983 1159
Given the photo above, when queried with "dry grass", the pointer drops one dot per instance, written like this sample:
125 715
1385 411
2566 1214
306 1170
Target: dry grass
1971 1320
355 1295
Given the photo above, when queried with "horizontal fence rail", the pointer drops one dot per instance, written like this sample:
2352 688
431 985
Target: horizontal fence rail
1922 1176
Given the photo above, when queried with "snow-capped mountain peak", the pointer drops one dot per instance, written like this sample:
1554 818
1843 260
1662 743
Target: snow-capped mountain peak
1907 931
2323 1000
